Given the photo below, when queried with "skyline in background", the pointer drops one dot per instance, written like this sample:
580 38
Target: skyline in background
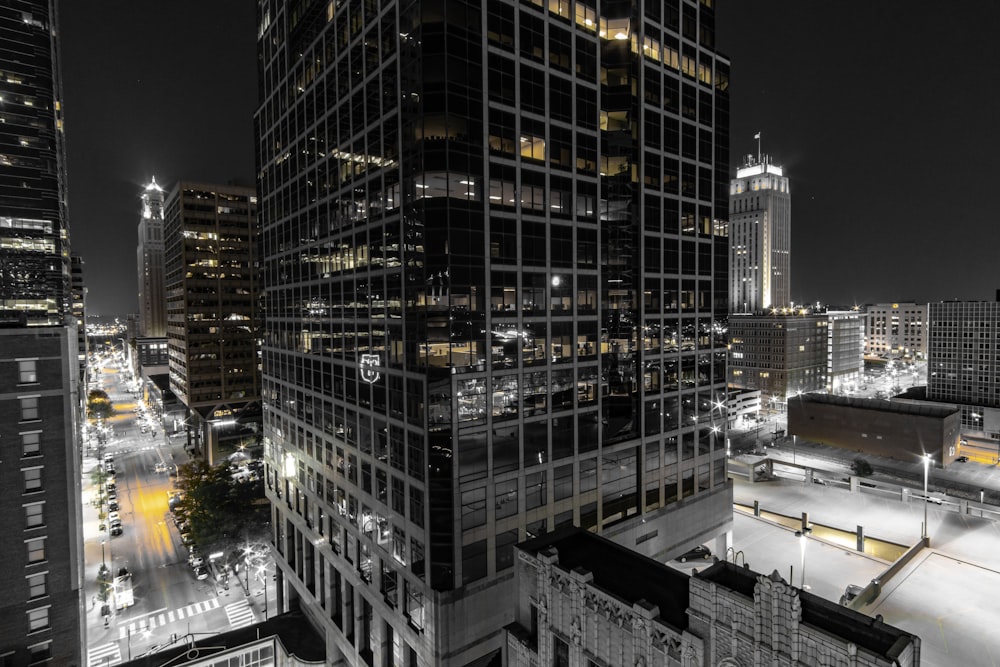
881 134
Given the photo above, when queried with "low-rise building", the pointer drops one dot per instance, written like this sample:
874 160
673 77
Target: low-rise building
891 429
583 600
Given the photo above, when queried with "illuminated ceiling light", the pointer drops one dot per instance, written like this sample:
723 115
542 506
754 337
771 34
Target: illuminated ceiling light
621 35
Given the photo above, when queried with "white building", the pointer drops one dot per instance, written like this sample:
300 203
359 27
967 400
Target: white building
896 330
760 231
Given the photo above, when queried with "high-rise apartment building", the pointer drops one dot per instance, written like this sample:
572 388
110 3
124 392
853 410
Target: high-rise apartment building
41 613
760 233
963 363
494 251
210 234
149 262
896 330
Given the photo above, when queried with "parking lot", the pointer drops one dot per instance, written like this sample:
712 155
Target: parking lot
946 595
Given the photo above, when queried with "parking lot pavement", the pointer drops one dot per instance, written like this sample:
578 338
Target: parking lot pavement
946 595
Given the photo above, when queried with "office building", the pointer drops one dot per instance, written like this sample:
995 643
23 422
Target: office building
149 262
795 352
78 308
845 351
896 330
210 236
494 254
34 252
41 614
963 363
760 233
582 601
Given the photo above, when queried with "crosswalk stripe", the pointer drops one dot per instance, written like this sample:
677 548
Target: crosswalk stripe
240 614
164 619
109 654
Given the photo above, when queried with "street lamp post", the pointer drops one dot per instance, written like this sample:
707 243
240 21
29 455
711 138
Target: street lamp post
802 534
927 464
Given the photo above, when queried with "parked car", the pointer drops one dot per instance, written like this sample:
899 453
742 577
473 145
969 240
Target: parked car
113 516
195 561
962 459
116 529
700 551
201 572
113 506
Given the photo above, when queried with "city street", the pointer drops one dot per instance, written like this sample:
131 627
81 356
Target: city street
169 602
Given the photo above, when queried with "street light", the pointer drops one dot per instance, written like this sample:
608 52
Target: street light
927 464
802 534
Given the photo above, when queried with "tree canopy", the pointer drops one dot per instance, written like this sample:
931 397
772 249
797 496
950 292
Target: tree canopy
99 404
223 514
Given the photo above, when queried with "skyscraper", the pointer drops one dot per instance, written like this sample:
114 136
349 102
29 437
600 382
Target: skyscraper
34 252
760 235
494 251
210 234
150 266
41 613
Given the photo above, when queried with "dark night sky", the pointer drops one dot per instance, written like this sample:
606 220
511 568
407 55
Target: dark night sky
878 112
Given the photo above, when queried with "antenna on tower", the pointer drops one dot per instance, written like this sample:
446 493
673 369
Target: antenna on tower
757 137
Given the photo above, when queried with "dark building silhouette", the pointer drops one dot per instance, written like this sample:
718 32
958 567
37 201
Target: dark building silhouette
494 248
41 613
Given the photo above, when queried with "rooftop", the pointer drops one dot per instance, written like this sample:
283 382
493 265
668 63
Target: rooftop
618 571
900 407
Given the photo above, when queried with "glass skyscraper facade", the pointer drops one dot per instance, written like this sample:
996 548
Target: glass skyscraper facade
34 239
494 253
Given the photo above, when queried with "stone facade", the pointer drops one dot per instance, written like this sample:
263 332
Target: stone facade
568 615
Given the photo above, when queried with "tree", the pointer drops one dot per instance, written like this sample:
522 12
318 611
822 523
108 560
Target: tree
223 514
861 468
99 405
